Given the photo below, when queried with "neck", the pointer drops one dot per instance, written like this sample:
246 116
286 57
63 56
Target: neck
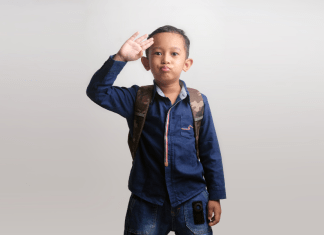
169 88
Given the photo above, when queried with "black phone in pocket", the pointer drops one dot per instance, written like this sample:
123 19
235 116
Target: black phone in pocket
198 212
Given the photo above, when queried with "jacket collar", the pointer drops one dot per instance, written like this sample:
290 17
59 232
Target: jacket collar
184 94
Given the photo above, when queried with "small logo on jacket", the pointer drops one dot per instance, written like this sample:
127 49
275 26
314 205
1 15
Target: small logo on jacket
187 128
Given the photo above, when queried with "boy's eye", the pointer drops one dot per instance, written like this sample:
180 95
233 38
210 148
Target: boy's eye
172 52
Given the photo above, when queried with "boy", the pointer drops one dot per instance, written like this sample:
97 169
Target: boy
167 181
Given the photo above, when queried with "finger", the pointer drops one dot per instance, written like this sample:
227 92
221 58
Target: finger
134 36
212 221
217 218
147 41
146 44
141 38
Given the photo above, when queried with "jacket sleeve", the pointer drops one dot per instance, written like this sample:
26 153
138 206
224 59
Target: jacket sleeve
101 90
210 156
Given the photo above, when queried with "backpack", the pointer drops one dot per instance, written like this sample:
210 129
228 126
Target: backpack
142 102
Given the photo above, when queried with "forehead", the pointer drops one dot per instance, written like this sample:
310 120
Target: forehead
168 40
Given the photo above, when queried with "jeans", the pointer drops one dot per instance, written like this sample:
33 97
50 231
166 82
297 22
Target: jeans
143 217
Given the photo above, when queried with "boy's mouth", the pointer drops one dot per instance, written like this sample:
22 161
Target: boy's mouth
165 68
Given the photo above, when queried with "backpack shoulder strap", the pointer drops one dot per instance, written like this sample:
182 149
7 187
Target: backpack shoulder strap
142 102
197 108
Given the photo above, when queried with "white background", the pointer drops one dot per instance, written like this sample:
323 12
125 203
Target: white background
65 162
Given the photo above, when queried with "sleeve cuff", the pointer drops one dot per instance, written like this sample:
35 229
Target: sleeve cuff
115 65
216 194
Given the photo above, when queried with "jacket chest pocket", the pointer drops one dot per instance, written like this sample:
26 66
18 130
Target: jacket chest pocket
187 127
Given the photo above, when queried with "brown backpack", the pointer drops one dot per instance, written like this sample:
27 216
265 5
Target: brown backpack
143 99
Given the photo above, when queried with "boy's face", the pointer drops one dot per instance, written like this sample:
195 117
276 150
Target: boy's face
168 50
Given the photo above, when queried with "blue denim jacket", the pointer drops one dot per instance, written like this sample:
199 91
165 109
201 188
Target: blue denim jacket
167 136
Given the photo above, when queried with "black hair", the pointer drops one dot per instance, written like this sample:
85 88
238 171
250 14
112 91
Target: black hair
171 29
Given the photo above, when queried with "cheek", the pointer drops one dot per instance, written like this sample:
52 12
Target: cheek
178 63
154 63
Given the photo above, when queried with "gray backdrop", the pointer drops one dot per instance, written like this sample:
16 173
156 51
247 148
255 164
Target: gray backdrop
65 161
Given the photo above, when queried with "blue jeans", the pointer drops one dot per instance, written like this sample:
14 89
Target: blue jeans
143 217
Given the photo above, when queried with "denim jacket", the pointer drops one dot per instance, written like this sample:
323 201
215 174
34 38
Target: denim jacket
167 135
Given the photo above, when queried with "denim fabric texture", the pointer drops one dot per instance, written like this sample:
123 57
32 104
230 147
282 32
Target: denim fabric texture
143 217
149 178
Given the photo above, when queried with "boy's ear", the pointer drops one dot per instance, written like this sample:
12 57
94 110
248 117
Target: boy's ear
187 64
145 63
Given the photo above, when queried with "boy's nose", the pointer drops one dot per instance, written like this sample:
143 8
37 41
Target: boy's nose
165 59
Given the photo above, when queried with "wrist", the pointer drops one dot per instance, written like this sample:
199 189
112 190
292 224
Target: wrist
119 58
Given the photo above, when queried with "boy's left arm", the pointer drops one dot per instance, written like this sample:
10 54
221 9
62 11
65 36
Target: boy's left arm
211 160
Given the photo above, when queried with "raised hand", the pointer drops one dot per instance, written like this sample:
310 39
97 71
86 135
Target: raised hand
133 50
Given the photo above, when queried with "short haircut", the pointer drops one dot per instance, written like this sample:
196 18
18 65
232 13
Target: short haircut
171 29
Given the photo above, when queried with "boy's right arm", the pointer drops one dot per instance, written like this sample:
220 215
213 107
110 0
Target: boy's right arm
101 90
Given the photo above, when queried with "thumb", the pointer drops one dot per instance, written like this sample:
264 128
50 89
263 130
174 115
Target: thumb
210 212
139 55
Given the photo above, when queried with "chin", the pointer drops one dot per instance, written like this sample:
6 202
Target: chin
165 80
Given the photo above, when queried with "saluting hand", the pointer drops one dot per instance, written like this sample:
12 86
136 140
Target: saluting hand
133 50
